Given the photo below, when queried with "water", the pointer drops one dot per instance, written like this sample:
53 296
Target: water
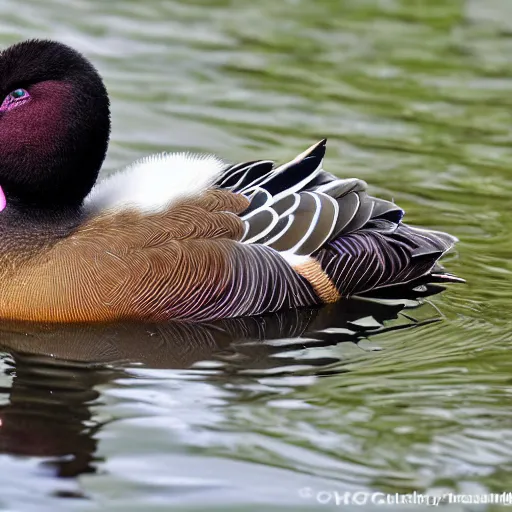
415 98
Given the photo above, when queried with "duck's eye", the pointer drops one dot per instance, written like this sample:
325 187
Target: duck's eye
18 94
14 99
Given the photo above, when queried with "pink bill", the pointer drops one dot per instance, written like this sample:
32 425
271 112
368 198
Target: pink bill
3 201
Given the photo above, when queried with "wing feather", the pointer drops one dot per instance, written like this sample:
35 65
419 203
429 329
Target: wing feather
259 224
359 239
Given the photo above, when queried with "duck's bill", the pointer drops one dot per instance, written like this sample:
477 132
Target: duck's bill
3 201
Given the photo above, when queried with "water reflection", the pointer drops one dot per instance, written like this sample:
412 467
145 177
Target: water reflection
48 414
57 371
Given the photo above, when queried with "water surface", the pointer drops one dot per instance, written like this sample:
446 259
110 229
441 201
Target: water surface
415 98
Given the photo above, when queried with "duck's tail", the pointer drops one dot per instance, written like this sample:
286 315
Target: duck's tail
372 260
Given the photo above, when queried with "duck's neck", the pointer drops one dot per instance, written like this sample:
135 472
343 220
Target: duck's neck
25 231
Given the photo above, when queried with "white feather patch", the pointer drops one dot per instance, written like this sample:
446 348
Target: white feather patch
153 183
295 260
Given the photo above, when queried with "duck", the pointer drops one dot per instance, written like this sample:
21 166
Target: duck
175 236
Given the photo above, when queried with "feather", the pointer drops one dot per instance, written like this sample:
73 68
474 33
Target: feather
304 216
238 178
348 205
367 260
260 200
362 215
259 224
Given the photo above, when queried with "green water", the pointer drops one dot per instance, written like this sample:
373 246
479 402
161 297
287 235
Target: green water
415 97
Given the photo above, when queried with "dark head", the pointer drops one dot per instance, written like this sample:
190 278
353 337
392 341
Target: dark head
54 125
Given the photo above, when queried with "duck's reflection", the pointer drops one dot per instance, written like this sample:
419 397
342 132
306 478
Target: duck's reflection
48 413
56 370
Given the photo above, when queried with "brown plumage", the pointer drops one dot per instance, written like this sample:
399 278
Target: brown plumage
128 264
176 264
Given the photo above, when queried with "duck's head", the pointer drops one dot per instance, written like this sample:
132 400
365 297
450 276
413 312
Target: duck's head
54 125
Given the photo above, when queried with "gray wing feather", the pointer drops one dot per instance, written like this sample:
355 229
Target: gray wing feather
362 215
259 224
302 220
